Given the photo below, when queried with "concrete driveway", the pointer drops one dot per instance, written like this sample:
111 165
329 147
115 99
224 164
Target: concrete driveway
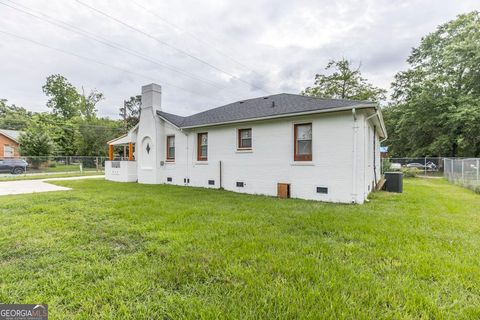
33 186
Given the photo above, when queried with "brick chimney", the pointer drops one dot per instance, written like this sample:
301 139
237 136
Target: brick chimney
152 97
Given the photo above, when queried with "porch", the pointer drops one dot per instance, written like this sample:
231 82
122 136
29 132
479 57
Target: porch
121 168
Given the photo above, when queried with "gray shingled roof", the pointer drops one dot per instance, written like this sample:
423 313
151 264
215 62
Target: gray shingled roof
12 134
263 107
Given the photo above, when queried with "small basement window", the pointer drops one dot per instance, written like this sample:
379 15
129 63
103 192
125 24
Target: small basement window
169 179
323 190
211 182
240 184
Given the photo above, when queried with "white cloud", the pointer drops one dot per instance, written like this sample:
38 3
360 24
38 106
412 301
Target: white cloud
285 43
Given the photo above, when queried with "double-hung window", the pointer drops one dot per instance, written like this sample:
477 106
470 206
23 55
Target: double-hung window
245 139
202 146
303 142
170 148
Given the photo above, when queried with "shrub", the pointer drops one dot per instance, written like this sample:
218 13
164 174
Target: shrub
410 172
477 189
386 165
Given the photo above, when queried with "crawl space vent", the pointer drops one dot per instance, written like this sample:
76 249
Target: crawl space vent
323 190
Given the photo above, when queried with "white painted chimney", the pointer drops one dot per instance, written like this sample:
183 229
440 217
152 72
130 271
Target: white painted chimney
152 97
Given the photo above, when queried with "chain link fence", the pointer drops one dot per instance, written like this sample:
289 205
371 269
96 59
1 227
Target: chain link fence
424 166
12 168
464 172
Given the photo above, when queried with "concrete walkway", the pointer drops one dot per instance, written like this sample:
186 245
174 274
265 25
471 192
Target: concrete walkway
73 178
33 186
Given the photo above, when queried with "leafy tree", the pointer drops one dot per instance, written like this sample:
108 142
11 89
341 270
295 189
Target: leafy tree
436 107
64 100
88 103
62 132
13 117
93 136
65 135
36 143
130 112
344 82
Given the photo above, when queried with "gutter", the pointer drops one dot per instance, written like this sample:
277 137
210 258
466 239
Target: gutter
379 115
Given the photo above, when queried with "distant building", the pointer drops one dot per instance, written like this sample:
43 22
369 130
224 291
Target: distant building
9 143
384 152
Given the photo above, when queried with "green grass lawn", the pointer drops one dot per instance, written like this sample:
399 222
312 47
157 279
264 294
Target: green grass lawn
118 250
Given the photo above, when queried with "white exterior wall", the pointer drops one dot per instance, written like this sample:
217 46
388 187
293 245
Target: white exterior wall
124 171
149 133
342 158
271 159
371 152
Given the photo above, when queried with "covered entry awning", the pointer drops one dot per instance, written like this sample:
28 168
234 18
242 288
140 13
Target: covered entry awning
127 139
121 141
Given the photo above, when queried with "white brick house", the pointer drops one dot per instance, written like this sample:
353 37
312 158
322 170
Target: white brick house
293 145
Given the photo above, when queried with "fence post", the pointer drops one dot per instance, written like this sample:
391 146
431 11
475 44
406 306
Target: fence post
425 168
445 173
463 171
452 174
478 170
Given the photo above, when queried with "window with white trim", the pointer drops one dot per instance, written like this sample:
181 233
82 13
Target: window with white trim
245 139
303 142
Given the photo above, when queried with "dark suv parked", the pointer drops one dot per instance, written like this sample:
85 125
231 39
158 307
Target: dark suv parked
13 166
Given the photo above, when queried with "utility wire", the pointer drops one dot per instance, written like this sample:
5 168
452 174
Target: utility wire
101 63
72 28
169 45
193 36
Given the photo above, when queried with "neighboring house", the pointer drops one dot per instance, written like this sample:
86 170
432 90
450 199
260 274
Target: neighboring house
9 143
284 144
384 152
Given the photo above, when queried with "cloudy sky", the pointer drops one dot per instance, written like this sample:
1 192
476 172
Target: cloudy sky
204 53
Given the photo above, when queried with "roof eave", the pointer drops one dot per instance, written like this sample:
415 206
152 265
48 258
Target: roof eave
286 115
124 135
169 122
9 137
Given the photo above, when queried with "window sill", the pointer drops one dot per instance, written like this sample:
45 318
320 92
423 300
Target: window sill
169 162
244 151
302 163
204 163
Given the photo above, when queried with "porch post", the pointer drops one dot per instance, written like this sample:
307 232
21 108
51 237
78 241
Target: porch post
110 152
130 151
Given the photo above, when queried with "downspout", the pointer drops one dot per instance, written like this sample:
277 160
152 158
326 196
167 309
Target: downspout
187 150
354 157
374 146
374 151
220 174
